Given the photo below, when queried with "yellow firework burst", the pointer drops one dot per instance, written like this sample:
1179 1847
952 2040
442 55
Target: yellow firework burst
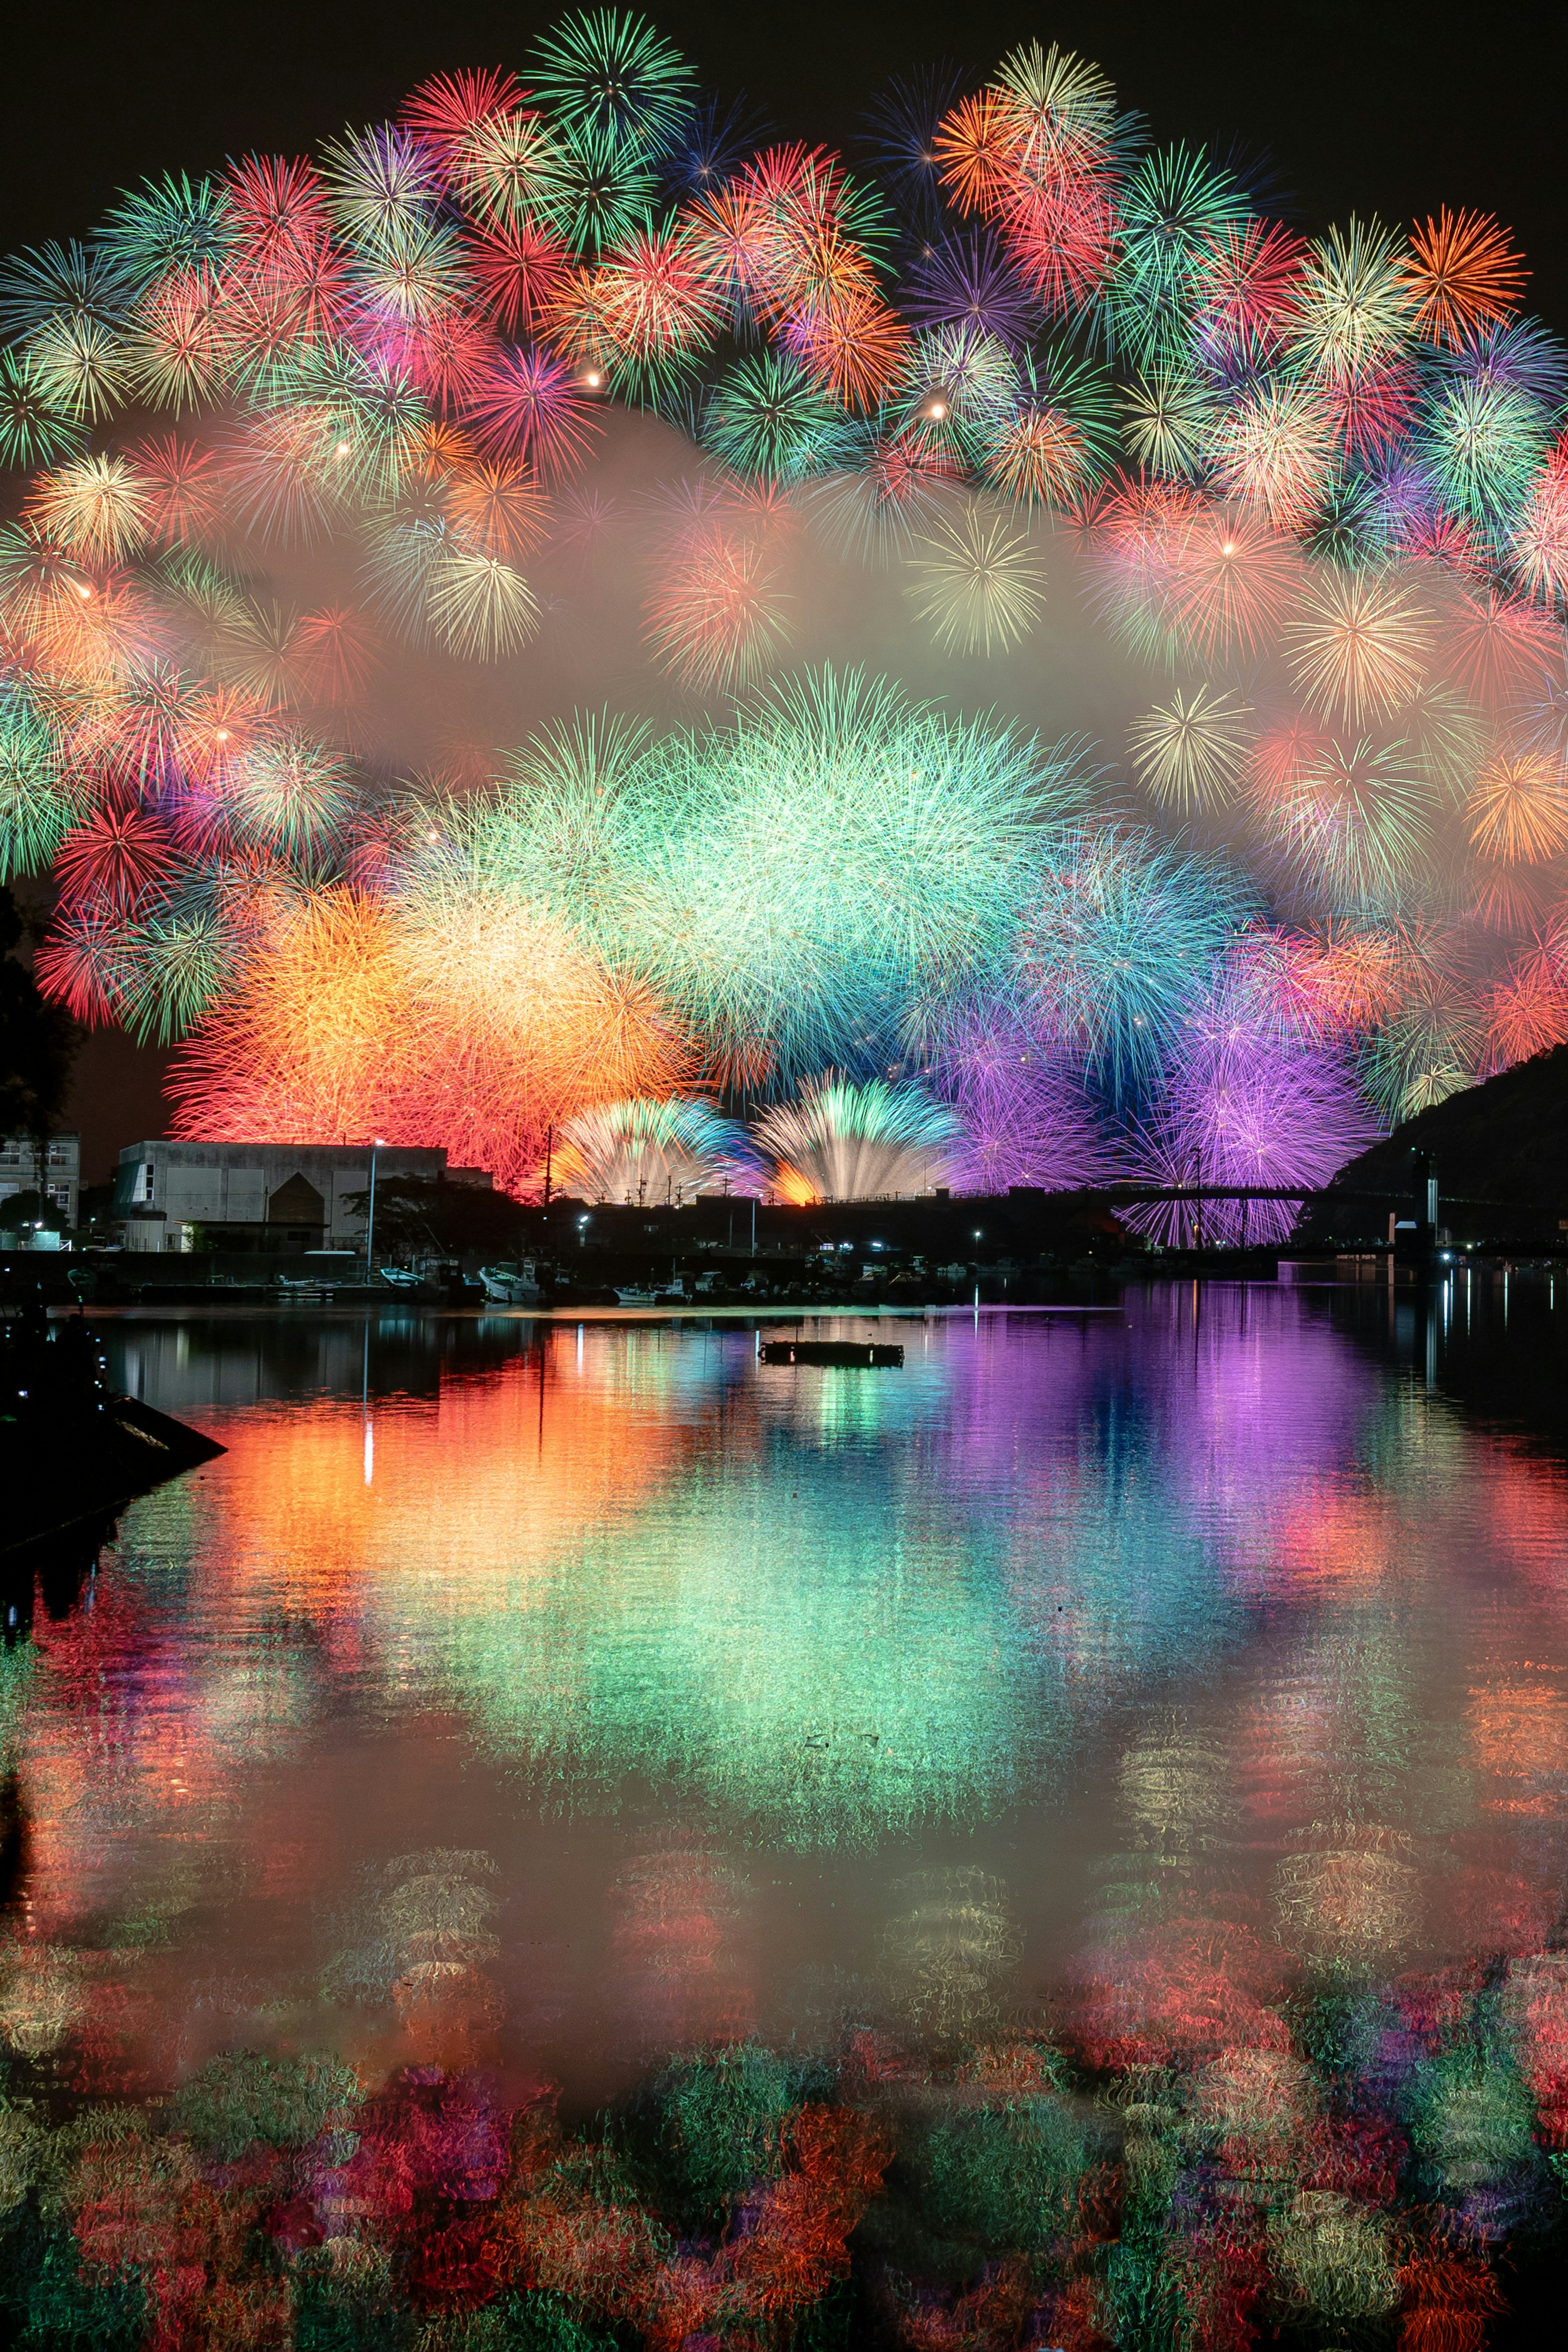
1360 649
978 583
1189 751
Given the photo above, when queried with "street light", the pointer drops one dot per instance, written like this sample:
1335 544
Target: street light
377 1142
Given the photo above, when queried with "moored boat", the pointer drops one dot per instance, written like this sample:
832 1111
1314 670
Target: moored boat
512 1286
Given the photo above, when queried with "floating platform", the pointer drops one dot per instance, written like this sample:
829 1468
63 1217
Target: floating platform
856 1355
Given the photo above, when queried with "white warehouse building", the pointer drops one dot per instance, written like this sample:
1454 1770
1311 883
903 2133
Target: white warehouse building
283 1197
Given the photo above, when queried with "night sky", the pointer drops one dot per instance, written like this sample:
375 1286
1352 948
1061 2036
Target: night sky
1385 110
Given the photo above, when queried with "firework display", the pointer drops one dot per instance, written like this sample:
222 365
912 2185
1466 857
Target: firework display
324 472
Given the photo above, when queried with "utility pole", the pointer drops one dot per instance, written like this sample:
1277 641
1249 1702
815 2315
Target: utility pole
549 1146
1198 1205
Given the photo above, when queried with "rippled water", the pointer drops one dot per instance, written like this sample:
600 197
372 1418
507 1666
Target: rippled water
783 1701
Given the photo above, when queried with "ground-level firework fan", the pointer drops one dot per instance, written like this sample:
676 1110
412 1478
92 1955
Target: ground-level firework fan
331 476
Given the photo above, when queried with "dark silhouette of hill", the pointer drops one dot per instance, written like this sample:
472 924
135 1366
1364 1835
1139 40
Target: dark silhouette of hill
1504 1142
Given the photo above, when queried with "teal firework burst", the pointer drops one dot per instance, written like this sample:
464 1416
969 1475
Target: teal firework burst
554 836
1117 946
805 879
167 223
1172 208
606 76
596 191
1484 442
38 804
35 429
174 968
771 421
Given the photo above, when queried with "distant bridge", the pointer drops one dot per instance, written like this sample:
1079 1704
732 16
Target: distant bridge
1134 1193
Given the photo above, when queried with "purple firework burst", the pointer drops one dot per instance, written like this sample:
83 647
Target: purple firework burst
1027 1117
1249 1105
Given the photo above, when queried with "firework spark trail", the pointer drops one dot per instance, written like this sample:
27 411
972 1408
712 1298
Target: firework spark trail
840 1141
652 1152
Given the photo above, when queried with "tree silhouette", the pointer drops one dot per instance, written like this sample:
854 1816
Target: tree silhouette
38 1040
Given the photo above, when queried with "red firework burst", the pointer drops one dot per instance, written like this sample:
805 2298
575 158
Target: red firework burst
444 110
532 406
183 489
517 271
339 654
121 857
1244 284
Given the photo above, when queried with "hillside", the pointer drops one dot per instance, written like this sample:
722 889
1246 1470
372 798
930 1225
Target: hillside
1506 1141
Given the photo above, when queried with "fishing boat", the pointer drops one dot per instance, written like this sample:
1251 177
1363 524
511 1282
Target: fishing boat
635 1297
516 1284
304 1290
398 1277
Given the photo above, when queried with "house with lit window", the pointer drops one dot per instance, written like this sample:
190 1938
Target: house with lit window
276 1197
58 1175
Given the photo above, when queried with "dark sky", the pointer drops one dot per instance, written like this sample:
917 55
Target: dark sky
1379 108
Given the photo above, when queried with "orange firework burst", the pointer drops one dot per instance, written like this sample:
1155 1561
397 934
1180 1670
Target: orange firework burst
1518 808
516 1025
306 1047
460 1019
1349 979
1466 275
1041 457
852 343
1528 1011
499 510
981 148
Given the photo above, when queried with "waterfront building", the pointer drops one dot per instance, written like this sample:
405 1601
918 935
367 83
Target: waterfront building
275 1197
57 1177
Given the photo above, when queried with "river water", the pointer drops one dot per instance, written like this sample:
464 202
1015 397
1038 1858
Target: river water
560 1698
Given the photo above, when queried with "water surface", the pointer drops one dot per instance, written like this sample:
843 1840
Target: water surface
1104 1670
